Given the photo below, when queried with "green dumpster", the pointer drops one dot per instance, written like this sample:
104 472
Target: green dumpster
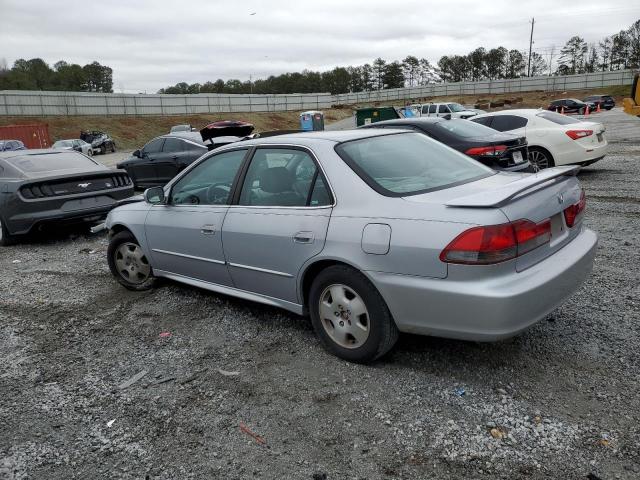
365 116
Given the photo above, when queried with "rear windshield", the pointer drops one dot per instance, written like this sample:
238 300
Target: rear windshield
408 164
50 162
465 128
557 118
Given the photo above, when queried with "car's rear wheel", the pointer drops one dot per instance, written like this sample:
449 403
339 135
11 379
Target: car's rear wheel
90 152
113 148
6 238
128 262
103 149
540 159
350 316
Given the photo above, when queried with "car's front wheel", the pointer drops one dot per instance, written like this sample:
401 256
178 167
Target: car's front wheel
350 316
540 159
128 262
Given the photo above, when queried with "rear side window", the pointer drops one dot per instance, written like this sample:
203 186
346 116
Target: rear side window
504 123
408 164
173 145
557 118
432 108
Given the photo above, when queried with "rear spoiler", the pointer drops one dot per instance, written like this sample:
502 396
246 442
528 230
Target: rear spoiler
501 195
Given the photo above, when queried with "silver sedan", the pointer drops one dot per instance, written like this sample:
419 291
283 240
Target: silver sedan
369 232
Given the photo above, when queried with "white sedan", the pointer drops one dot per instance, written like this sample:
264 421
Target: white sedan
74 144
553 139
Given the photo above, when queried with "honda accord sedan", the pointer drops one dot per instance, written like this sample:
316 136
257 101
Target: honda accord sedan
370 232
45 187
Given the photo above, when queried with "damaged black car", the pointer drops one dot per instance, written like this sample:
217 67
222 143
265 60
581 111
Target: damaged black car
100 141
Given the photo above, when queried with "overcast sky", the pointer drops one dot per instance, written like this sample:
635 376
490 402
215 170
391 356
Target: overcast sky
153 44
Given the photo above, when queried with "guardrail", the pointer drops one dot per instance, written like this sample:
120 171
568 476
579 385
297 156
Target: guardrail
40 103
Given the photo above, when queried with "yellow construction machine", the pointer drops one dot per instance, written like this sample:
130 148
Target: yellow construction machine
632 105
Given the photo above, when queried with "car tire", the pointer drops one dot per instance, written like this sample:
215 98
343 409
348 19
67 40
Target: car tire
128 263
6 238
90 152
113 148
358 308
540 158
103 149
608 108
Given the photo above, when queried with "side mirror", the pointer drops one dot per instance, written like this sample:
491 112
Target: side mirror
136 153
154 195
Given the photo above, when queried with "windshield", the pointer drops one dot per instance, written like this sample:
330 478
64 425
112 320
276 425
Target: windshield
465 128
50 162
409 164
456 107
557 118
63 144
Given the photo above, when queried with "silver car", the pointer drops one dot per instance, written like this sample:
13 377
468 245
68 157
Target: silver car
74 144
370 232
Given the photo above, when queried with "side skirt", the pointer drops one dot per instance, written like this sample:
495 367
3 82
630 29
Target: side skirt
234 292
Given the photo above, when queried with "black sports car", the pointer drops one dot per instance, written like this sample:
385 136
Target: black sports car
43 187
164 157
500 151
100 141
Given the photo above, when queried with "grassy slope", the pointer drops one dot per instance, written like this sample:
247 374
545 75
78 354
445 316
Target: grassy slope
132 132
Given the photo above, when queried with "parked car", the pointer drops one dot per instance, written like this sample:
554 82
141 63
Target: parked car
74 144
569 105
100 141
53 187
441 109
369 231
11 145
553 139
606 101
500 151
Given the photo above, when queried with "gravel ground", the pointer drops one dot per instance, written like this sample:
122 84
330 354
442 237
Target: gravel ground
178 383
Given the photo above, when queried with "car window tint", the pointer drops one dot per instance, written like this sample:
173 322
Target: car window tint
210 182
443 109
419 164
278 178
173 145
504 123
432 108
464 128
486 121
320 195
557 118
153 146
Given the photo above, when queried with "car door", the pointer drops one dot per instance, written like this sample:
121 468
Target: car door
144 168
184 234
279 221
166 162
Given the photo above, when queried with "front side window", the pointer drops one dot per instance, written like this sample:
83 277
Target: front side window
210 182
432 108
154 146
281 177
409 164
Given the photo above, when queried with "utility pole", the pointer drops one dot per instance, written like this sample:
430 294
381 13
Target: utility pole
533 21
251 84
552 53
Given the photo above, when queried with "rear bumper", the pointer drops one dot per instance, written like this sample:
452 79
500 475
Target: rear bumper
487 309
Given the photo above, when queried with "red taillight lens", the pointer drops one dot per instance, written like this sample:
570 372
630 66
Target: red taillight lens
572 212
578 134
496 243
493 150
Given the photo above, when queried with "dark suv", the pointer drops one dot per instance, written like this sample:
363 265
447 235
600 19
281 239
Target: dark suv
606 101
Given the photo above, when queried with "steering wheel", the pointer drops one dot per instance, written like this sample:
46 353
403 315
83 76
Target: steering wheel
191 200
218 193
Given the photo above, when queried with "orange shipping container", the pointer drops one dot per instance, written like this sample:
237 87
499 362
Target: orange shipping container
33 136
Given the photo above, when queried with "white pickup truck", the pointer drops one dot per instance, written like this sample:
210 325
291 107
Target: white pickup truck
441 109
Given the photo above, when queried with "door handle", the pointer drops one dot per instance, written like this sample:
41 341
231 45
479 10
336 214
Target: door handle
208 230
303 237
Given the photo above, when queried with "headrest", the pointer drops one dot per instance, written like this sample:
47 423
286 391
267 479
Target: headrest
276 180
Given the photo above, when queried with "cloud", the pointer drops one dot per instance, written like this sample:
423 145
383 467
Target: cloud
152 44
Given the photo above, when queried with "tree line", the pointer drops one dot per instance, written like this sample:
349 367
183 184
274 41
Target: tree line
36 74
618 51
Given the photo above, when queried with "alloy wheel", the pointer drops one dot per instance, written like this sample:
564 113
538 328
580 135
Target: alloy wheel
131 263
344 316
538 159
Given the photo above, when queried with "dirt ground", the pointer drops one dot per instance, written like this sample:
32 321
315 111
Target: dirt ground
179 383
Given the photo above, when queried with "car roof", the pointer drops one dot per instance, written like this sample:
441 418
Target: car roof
334 136
193 136
524 112
408 121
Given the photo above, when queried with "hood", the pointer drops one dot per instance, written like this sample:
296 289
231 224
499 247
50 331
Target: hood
226 128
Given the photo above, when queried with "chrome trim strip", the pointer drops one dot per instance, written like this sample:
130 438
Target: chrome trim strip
235 292
263 270
210 260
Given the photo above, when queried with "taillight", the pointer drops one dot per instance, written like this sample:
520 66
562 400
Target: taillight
492 150
496 243
578 134
572 212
